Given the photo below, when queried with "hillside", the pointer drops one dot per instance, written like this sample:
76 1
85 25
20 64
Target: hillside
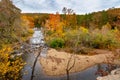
91 20
98 19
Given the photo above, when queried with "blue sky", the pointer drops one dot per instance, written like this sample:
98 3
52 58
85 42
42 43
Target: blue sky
52 6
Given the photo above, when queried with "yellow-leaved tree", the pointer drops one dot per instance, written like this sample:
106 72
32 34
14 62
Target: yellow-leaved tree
9 67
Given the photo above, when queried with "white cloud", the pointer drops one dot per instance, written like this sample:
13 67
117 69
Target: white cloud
79 6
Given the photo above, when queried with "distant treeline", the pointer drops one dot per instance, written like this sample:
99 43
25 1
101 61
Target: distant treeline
91 20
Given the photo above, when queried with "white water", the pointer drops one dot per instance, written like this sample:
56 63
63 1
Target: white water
36 41
37 37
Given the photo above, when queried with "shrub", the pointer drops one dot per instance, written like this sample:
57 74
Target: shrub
103 40
49 32
57 43
9 68
30 31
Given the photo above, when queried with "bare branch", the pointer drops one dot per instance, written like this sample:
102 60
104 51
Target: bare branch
68 64
69 68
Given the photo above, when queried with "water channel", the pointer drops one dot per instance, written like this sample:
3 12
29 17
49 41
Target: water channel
38 40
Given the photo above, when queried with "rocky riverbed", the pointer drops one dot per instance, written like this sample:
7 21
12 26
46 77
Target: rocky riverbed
114 75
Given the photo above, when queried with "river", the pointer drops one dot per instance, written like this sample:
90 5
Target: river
37 41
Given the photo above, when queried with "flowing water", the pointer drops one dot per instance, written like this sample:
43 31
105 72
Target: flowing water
35 42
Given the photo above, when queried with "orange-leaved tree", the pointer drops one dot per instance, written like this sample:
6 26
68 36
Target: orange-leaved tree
55 24
54 20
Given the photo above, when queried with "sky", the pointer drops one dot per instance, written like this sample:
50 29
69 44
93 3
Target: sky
53 6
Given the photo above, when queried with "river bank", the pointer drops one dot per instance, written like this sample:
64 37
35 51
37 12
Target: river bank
55 63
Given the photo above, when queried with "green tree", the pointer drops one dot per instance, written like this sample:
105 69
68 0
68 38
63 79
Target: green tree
104 18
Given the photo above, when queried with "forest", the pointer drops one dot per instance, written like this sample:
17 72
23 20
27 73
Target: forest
66 32
70 31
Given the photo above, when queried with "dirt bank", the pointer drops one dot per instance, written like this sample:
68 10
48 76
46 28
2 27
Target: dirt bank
56 62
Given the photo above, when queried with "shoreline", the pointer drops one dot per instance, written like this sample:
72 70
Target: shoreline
55 62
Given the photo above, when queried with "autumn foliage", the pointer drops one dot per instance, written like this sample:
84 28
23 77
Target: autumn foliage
28 21
54 24
9 67
65 29
54 21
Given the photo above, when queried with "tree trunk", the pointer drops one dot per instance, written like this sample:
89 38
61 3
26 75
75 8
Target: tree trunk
67 74
33 68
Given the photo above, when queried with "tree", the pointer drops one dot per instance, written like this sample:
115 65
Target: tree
9 22
54 20
69 17
9 67
39 21
31 21
70 66
70 11
104 18
10 31
64 10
